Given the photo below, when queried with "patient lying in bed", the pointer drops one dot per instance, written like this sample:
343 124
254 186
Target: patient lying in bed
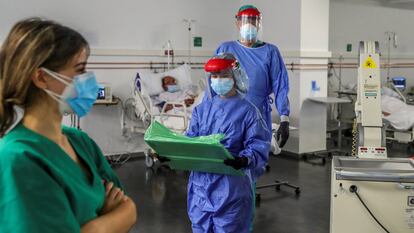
172 93
399 114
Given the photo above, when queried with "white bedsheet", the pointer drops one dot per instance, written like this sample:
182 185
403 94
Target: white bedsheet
401 114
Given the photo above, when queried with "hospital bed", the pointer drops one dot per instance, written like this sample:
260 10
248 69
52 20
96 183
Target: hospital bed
400 136
149 85
393 134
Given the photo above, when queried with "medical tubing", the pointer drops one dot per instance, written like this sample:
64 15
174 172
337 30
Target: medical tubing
354 189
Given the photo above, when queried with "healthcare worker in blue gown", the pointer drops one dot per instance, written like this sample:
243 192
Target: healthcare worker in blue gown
223 203
265 68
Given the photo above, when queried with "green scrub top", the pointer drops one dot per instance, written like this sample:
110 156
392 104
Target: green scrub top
42 189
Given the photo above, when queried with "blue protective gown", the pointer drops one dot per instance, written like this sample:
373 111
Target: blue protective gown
222 203
267 74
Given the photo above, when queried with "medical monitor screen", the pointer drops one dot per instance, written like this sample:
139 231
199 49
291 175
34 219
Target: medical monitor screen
399 83
101 93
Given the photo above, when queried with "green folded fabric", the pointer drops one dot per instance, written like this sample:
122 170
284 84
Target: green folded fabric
204 153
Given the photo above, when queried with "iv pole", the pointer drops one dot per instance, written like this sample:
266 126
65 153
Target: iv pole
170 54
189 22
392 36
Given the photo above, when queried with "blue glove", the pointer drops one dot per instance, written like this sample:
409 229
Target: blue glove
282 133
237 162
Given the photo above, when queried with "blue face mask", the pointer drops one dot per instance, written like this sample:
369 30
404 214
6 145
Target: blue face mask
79 95
222 86
172 88
248 32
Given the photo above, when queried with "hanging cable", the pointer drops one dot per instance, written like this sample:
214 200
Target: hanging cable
354 189
354 138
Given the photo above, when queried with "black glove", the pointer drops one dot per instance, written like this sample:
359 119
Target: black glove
282 133
237 162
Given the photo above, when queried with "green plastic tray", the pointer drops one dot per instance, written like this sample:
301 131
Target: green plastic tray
204 154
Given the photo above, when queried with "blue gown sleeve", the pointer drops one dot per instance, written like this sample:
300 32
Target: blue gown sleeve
193 128
256 145
280 83
32 200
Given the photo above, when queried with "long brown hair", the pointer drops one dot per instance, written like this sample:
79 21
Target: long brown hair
32 43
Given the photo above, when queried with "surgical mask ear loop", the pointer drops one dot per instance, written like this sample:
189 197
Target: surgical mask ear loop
60 78
65 80
53 95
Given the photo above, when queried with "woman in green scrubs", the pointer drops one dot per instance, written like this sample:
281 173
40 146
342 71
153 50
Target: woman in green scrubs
52 178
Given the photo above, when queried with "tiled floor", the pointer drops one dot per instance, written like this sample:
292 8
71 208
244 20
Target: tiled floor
160 195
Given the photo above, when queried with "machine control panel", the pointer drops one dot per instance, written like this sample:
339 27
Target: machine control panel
372 152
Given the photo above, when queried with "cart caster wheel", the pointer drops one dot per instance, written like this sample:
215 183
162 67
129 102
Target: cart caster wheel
277 187
323 161
267 168
149 161
297 191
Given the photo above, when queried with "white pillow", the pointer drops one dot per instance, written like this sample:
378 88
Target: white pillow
152 83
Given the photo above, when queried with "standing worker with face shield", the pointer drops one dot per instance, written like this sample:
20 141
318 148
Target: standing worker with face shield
265 68
223 203
52 178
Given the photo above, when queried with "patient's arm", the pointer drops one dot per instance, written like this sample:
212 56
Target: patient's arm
189 101
168 107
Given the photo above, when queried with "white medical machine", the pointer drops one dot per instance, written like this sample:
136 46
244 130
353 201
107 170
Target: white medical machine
370 193
368 103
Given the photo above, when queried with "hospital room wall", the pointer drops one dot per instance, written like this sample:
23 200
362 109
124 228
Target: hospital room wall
351 22
147 25
130 24
136 31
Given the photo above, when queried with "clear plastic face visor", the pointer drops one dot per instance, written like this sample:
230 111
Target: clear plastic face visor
228 73
249 27
223 74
